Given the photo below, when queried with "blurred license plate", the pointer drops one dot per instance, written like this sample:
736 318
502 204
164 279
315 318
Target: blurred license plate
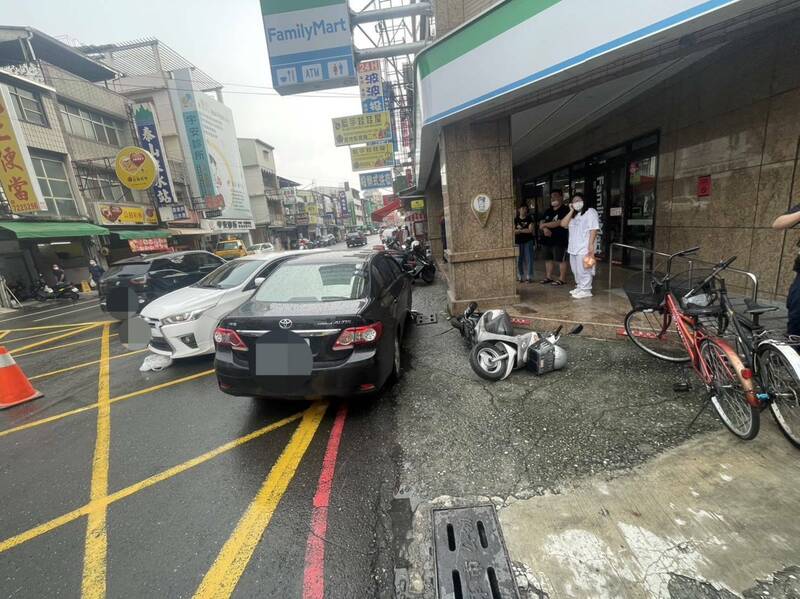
281 358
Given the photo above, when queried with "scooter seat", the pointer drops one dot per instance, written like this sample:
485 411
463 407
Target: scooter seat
498 322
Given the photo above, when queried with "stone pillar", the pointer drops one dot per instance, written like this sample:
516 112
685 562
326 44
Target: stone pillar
434 206
475 159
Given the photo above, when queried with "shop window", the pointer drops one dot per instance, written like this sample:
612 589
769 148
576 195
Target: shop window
28 105
55 187
91 125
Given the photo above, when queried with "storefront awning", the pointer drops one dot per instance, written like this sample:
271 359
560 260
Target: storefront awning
36 230
144 234
381 213
188 231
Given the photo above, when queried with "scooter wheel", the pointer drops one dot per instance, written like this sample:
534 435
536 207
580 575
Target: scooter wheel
74 297
428 274
488 361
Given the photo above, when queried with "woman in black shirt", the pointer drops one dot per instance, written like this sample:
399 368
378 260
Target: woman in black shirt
523 235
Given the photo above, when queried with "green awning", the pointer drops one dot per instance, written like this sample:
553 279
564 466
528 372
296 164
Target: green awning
36 230
151 234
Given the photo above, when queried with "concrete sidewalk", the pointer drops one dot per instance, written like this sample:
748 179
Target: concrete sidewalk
705 519
602 487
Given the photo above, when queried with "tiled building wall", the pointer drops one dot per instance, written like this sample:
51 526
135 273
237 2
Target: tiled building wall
72 87
450 14
735 115
47 138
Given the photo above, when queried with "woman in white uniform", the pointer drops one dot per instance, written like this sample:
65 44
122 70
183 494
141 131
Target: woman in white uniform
583 224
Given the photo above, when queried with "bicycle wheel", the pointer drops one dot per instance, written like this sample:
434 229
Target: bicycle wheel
782 382
728 392
654 332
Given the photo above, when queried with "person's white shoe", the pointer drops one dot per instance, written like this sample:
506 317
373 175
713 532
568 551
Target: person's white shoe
580 294
573 291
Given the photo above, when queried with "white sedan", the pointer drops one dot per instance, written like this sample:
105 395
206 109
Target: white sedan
182 323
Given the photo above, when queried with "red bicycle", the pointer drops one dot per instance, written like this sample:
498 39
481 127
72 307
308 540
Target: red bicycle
670 326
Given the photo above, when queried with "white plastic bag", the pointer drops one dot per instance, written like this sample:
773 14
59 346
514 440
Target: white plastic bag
155 362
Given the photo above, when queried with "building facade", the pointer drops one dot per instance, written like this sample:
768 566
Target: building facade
678 121
72 127
258 161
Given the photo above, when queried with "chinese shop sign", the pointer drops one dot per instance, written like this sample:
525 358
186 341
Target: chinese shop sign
136 168
149 139
361 128
16 170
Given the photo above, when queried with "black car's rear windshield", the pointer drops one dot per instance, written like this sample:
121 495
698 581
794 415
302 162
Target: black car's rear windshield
129 269
303 283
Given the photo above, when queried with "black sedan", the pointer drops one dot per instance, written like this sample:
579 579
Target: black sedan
322 324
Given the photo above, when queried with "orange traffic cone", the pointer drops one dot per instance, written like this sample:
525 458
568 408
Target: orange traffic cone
15 388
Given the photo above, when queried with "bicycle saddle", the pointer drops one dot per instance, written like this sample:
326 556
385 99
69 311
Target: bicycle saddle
756 309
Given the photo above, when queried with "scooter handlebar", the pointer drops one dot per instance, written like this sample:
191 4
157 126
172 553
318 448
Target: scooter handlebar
470 309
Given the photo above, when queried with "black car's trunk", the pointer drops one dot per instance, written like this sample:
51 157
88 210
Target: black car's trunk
318 322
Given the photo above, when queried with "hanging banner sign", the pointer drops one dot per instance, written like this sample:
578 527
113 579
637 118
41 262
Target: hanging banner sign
310 44
139 246
16 169
144 116
375 180
364 158
360 128
370 85
343 209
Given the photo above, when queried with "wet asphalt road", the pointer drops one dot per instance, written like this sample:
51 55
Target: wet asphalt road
440 433
162 539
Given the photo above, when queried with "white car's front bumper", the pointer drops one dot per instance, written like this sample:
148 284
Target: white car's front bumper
182 340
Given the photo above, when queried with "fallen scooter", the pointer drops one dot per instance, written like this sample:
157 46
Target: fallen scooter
496 351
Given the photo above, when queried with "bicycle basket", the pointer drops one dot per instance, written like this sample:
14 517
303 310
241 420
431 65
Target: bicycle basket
644 293
682 283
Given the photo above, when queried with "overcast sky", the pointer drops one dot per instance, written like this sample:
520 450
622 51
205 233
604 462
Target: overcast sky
226 40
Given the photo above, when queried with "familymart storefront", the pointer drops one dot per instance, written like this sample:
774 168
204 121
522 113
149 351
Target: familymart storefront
677 120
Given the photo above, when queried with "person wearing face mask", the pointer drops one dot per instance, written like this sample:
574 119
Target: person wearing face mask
583 224
554 239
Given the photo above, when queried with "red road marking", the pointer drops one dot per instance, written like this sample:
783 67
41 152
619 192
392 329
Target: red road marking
314 573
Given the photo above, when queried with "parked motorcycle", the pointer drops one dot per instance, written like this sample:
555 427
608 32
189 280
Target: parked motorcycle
412 258
43 292
496 351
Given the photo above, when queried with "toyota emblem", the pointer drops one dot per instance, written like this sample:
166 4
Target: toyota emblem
285 323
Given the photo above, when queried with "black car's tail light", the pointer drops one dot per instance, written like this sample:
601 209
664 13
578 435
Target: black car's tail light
140 281
229 338
349 338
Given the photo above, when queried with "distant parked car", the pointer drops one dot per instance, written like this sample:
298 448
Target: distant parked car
328 240
150 277
260 248
356 239
231 248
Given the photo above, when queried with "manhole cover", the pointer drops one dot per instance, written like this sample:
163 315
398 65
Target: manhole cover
470 554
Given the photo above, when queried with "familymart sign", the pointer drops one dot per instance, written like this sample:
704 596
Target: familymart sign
310 44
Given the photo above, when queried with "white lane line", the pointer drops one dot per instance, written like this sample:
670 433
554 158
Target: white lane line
63 313
49 310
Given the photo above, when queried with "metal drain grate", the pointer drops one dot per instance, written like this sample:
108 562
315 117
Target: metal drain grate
420 318
470 553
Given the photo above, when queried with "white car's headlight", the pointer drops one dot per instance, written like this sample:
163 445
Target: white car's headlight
183 317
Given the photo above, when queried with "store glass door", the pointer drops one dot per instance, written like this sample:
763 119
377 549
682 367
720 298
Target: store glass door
641 202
